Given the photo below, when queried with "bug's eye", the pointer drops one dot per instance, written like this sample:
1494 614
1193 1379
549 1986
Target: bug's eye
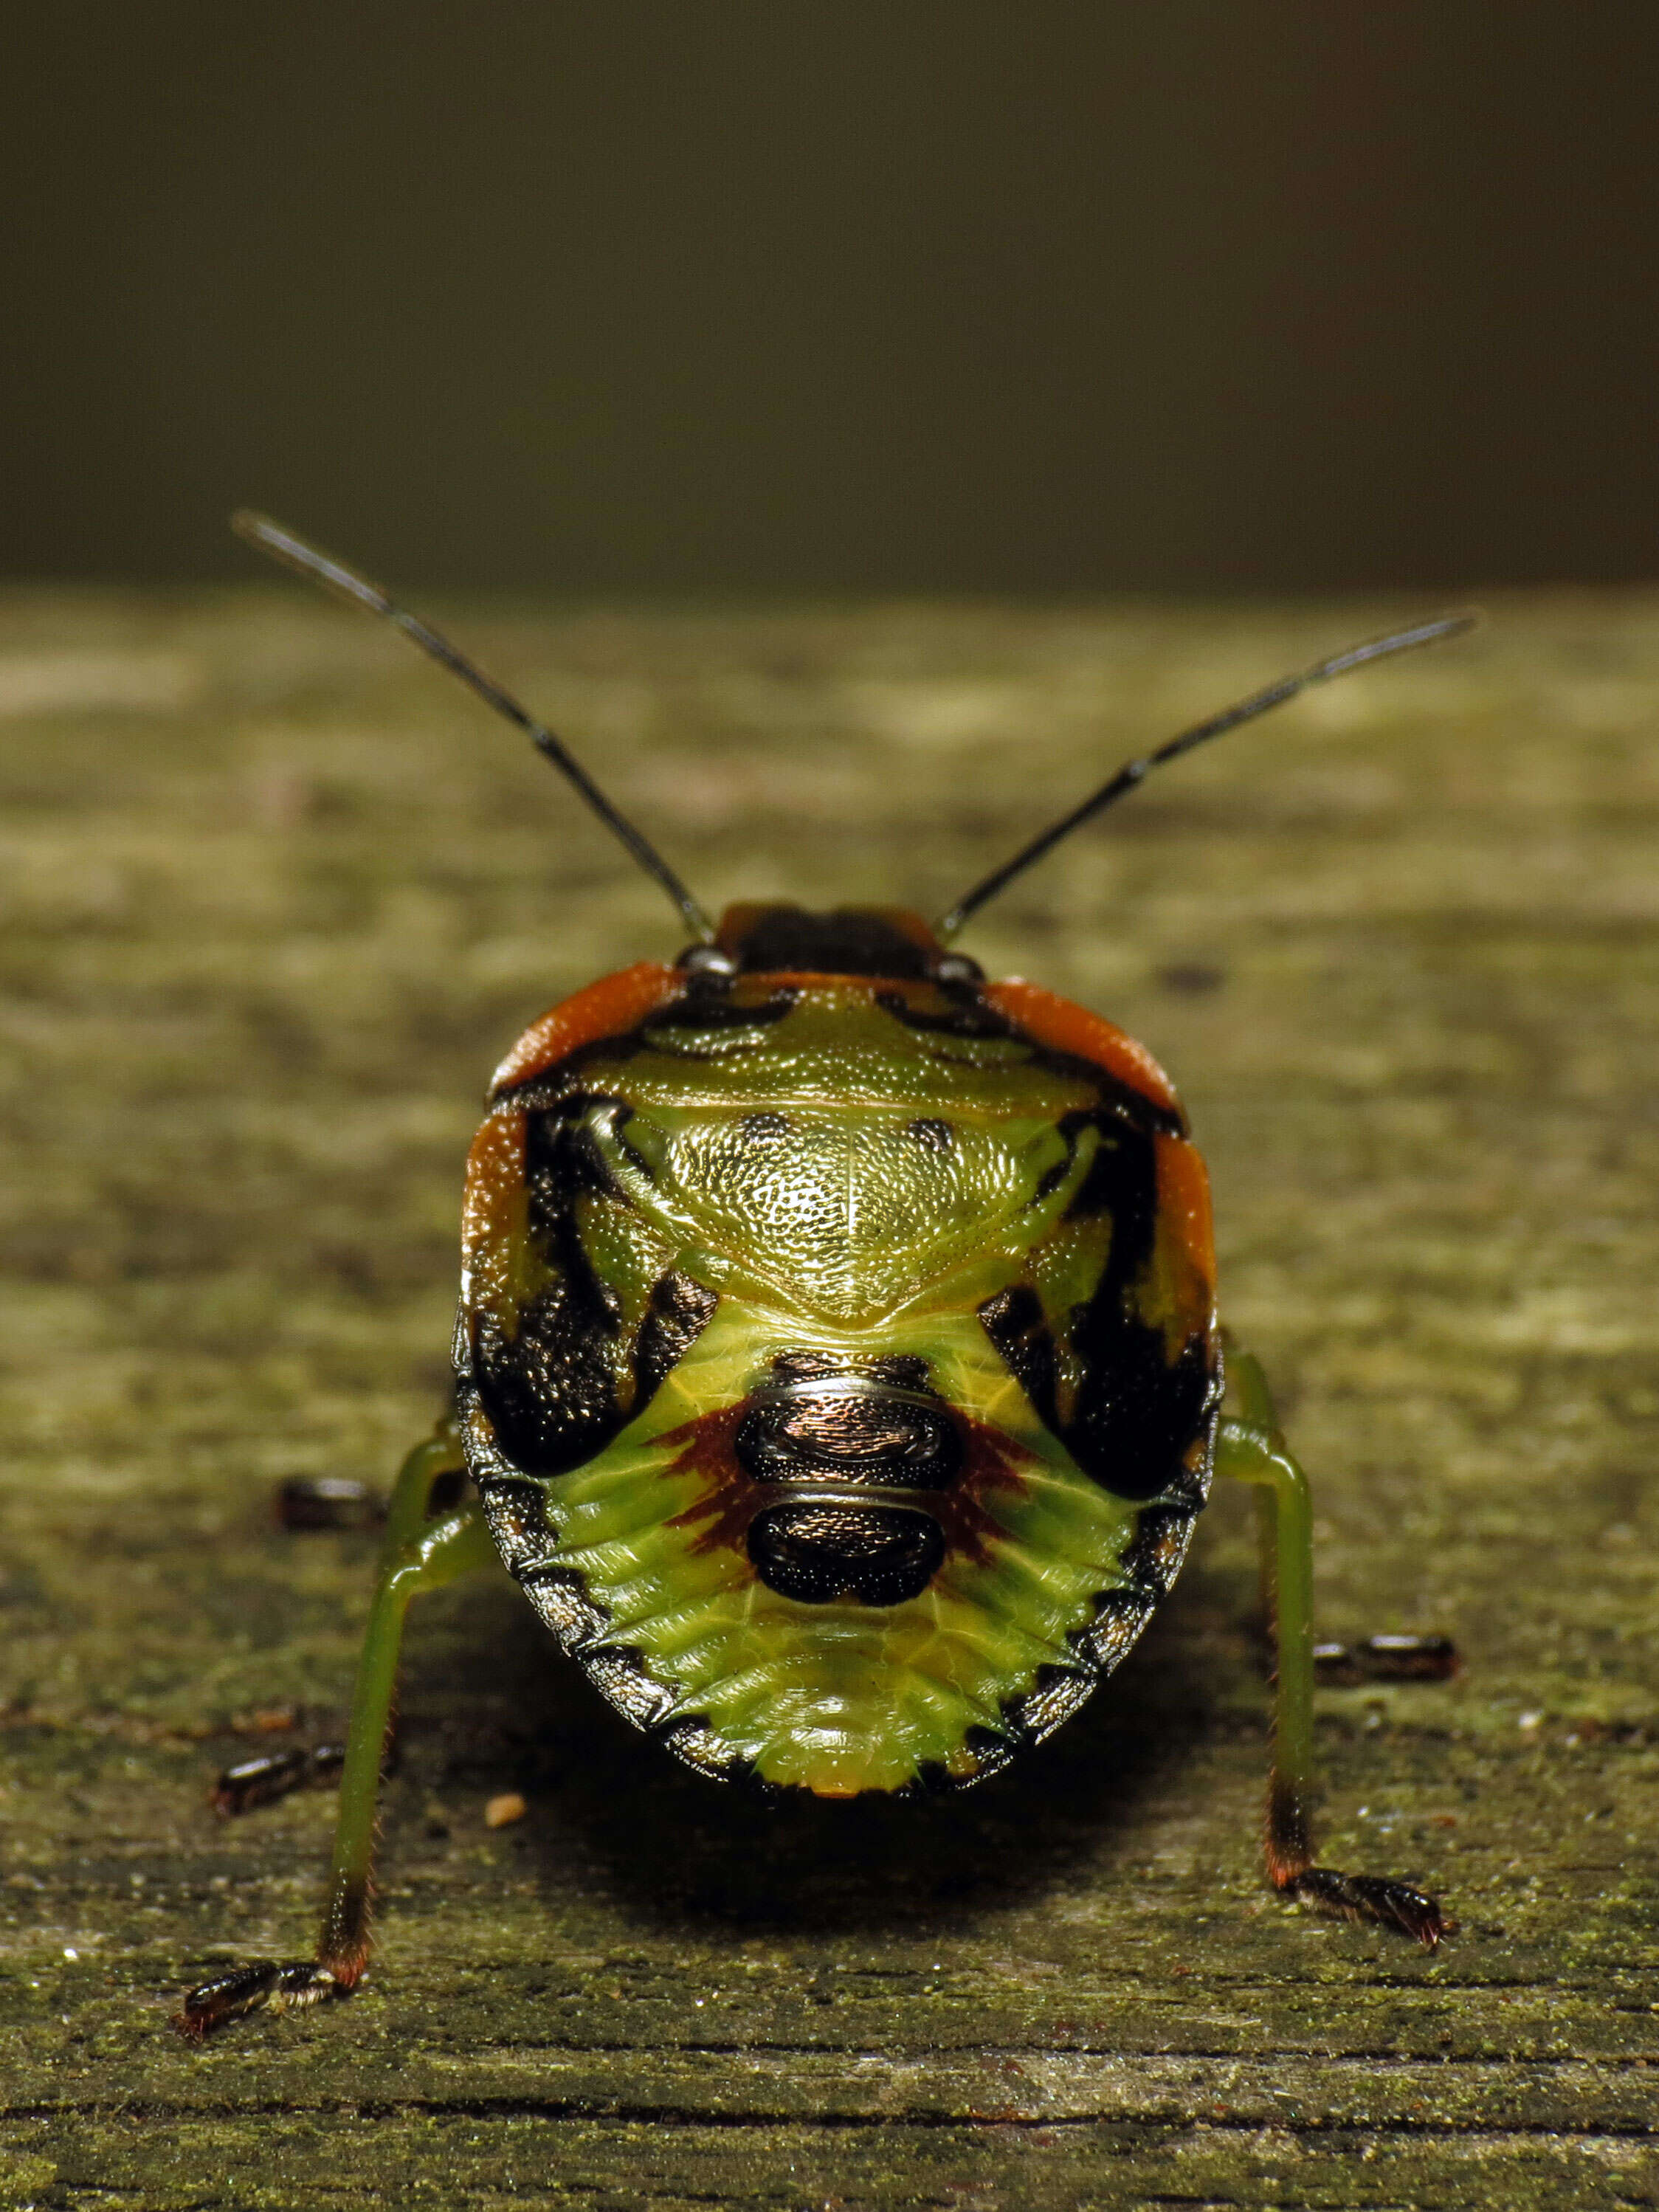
957 967
708 960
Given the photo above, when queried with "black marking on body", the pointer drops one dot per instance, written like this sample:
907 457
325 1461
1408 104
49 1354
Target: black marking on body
1135 1412
705 1004
868 1436
990 1751
692 1741
818 1434
1119 1616
561 1595
618 1673
902 1370
965 1012
765 1128
1057 1692
970 1013
515 1507
559 1385
1157 1548
817 1552
681 1307
709 1005
1017 1325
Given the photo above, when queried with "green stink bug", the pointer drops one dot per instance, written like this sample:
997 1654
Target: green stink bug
838 1371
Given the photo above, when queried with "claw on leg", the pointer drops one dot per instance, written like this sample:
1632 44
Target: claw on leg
1290 1868
1396 1905
242 1990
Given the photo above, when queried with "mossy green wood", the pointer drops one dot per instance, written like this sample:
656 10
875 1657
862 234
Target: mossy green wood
272 906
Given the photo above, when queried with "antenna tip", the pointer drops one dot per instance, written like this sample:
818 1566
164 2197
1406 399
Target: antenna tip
1465 618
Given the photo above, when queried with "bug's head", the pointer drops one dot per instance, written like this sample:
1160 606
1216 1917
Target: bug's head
849 940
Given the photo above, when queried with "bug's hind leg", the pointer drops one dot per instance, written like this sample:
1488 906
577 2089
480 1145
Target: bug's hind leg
430 1540
1251 1448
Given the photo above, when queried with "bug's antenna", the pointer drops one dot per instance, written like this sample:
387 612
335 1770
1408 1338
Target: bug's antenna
1134 772
293 553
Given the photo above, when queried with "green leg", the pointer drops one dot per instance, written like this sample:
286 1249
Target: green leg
1251 1448
427 1544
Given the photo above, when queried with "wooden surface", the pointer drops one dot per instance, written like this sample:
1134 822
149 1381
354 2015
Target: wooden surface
275 898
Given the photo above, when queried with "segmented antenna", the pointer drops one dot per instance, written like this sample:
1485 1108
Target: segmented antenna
295 553
1135 771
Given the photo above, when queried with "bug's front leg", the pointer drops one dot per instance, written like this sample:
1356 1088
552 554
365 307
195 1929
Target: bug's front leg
1251 1448
430 1540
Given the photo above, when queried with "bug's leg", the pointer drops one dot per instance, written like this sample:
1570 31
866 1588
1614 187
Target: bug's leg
430 1540
1251 1448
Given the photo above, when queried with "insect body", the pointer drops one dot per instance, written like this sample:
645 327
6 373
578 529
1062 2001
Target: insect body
837 1358
837 1362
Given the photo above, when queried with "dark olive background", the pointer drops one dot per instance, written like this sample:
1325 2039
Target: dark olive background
746 297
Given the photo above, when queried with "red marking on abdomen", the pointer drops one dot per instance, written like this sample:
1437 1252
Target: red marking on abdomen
991 1461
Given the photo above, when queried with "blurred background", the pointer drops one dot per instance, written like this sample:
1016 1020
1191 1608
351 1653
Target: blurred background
738 298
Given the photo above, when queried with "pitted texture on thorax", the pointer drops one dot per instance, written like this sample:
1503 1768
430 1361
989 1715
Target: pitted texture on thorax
831 1153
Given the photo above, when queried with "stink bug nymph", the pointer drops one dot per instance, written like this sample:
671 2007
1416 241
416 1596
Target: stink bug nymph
838 1371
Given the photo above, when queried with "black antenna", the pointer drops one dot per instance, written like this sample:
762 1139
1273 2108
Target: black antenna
1134 772
293 553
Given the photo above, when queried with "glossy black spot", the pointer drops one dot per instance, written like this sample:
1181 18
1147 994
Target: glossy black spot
876 1555
550 1388
681 1307
869 1436
904 1370
967 1013
934 1136
709 1004
765 1128
803 1366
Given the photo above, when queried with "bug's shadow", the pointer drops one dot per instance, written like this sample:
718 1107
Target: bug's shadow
674 1846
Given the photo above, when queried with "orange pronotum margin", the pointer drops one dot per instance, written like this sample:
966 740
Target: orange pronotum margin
1057 1023
610 1007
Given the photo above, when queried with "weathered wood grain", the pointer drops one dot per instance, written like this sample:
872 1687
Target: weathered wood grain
274 900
